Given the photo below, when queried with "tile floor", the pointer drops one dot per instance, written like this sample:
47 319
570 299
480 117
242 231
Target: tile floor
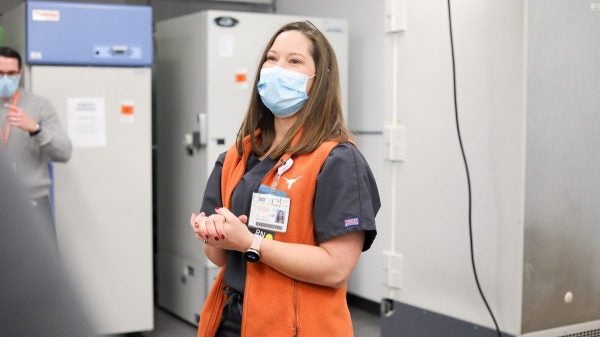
168 325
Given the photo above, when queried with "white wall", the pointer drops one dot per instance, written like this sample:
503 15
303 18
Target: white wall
489 42
431 228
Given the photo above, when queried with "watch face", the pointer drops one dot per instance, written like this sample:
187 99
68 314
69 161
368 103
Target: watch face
251 255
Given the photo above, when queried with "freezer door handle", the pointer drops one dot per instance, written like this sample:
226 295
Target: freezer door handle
202 139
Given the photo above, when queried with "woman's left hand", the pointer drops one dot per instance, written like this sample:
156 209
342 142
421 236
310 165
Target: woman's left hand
237 235
222 230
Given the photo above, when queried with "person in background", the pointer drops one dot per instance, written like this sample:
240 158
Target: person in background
31 135
293 152
37 293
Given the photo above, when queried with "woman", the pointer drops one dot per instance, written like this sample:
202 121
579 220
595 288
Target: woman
292 152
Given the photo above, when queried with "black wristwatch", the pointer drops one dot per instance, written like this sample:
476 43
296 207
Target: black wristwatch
252 254
38 128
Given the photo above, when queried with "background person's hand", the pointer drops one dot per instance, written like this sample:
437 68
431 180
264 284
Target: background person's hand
17 117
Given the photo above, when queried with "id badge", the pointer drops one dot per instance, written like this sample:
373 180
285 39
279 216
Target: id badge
269 210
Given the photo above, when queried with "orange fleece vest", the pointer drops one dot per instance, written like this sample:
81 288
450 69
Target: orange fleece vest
274 304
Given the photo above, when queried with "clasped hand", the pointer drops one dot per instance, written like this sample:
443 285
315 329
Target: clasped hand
222 230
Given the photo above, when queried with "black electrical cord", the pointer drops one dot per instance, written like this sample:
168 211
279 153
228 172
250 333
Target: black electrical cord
464 157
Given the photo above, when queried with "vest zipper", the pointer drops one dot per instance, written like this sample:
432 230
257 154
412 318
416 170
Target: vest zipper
296 307
213 315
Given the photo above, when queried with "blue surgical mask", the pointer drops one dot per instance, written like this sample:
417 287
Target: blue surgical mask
9 85
283 91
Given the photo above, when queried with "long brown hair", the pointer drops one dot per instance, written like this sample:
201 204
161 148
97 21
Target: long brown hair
320 119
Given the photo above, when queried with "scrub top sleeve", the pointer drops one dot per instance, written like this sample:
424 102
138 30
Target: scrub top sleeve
346 197
212 193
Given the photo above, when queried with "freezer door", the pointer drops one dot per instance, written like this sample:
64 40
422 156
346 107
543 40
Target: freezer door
103 195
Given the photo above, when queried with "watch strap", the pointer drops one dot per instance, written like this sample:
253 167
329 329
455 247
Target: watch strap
252 254
256 242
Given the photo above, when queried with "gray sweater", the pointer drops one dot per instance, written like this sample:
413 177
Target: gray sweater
29 155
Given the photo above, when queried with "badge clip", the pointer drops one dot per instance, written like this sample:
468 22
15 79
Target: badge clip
284 167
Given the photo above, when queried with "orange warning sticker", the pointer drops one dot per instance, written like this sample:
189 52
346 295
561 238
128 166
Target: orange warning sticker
241 77
127 109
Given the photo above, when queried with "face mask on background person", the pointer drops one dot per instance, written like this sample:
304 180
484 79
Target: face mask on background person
9 85
283 91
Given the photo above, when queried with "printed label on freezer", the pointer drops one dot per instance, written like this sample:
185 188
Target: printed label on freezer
45 15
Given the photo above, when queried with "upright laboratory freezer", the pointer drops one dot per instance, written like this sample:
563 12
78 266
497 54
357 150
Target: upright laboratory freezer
92 62
205 66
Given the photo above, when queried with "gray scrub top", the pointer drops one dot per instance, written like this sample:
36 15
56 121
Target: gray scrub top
346 189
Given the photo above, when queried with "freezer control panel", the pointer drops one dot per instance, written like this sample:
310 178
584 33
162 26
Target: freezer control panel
63 33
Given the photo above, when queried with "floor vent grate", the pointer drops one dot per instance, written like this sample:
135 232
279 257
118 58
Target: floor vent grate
589 333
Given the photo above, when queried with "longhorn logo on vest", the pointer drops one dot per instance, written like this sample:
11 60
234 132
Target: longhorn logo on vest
291 181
